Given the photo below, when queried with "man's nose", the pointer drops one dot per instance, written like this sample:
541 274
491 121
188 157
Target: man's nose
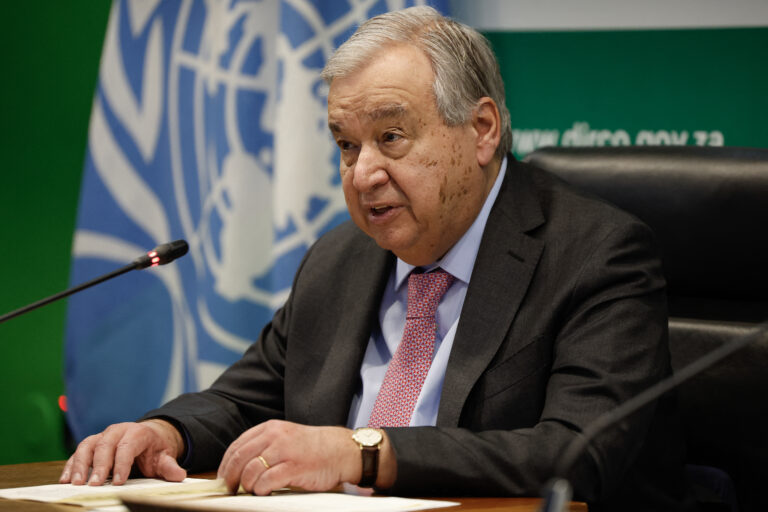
370 170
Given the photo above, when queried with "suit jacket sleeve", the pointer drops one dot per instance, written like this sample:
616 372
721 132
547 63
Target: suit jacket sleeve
305 365
246 394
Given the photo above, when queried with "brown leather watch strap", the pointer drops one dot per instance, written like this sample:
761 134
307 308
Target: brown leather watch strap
370 465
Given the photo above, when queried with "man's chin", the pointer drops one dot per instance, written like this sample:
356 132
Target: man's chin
416 256
405 246
393 244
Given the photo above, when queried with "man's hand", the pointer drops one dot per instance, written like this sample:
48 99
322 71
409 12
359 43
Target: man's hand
278 454
154 445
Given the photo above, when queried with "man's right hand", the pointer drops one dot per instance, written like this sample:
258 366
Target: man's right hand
154 445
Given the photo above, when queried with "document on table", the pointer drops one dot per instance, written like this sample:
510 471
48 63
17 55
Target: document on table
202 494
107 494
287 502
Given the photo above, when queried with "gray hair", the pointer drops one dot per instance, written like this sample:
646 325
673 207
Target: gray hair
464 65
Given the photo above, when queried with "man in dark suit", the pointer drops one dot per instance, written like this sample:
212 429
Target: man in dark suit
550 312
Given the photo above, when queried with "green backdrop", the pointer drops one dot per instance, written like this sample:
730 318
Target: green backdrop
50 56
681 87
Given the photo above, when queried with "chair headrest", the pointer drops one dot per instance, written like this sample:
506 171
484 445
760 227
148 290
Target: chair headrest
707 205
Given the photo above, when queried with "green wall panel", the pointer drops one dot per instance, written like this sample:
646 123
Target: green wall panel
50 55
693 86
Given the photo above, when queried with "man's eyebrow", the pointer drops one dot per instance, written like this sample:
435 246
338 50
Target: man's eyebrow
388 111
392 110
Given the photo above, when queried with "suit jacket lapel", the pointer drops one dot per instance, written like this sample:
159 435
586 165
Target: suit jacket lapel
503 270
339 377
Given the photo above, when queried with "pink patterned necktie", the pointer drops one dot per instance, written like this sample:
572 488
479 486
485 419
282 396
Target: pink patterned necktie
409 366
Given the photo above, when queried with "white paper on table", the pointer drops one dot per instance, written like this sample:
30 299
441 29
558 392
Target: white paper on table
314 502
107 494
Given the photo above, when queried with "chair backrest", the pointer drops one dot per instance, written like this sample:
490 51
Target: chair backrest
709 209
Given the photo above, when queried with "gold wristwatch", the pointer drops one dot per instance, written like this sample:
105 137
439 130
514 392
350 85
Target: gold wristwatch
369 440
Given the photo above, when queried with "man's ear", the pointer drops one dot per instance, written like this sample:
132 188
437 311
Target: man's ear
487 124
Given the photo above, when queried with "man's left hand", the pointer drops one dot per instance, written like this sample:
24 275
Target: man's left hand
278 454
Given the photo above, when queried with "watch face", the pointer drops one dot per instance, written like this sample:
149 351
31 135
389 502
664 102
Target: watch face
367 436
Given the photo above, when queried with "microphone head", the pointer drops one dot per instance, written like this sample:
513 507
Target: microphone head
171 251
162 254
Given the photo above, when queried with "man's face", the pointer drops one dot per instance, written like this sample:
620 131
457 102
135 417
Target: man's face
411 183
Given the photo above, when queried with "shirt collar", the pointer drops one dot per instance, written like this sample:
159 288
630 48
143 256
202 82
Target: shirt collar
460 259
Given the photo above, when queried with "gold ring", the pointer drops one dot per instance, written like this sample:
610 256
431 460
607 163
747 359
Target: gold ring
263 461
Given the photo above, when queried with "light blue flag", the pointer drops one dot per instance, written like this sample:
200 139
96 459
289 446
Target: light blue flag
208 124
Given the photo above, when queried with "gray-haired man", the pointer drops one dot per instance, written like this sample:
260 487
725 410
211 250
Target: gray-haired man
550 311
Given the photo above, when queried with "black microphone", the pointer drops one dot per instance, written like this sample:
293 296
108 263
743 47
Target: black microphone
577 446
160 255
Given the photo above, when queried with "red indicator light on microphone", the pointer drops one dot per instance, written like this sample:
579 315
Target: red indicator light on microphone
154 258
63 403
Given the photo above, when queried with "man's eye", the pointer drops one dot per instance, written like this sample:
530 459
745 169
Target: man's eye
391 137
344 145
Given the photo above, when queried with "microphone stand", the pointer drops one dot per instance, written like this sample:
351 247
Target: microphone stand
160 255
66 293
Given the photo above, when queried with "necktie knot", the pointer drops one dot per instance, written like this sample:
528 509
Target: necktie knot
425 292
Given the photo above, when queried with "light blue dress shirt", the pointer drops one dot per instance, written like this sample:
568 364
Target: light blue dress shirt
459 262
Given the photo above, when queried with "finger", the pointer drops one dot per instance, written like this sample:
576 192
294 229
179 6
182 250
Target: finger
236 446
66 472
81 460
104 453
169 469
254 470
232 471
238 459
125 454
123 463
277 477
133 442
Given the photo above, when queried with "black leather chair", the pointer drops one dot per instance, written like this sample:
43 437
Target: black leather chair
709 209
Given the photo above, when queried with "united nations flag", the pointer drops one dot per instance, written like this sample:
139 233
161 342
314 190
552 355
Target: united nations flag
208 124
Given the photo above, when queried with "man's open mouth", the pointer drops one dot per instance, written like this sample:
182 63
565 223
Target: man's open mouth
380 210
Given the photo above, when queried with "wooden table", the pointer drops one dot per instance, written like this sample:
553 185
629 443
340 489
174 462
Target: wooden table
40 473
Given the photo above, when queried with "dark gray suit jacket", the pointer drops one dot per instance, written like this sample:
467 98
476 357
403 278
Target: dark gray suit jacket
564 319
